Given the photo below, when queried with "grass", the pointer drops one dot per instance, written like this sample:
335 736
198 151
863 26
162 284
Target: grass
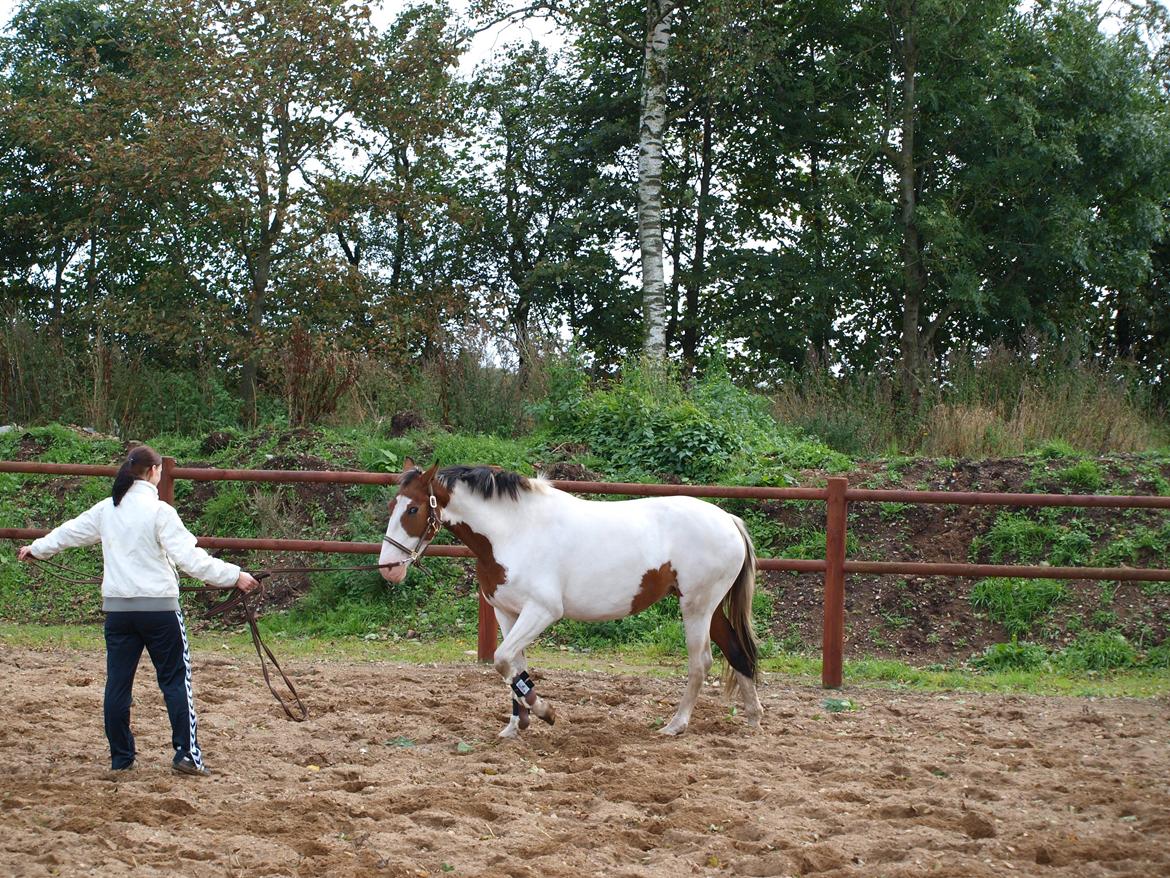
796 668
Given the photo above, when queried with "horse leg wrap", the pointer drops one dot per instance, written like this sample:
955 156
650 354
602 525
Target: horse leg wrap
521 713
525 691
524 688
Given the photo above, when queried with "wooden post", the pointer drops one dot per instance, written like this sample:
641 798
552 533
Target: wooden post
487 630
166 485
833 641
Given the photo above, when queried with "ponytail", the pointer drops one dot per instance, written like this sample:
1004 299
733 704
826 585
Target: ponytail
136 466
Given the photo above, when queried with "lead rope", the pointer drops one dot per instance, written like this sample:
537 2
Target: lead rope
240 598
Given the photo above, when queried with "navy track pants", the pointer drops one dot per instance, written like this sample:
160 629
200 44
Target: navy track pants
164 636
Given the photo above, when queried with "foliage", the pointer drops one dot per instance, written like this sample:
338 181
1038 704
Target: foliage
1015 536
1099 651
648 424
1158 656
1017 603
429 603
1083 477
1012 656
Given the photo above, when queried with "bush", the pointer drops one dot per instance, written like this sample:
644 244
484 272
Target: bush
647 425
1016 603
1158 656
1012 656
1084 477
1099 651
1014 536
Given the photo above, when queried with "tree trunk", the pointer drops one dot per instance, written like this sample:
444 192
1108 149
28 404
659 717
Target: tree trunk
690 335
60 264
520 261
650 160
256 303
674 321
913 365
402 166
822 326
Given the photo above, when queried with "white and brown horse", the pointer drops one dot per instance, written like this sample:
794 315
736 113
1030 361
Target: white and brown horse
545 555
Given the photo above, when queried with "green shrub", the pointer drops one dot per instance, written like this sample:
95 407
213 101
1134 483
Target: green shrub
1014 536
1084 477
1056 449
229 513
1016 603
1099 651
432 601
763 529
811 545
646 424
451 449
1158 656
1012 656
1071 548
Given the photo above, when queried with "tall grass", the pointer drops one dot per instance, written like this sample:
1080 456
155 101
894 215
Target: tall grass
93 383
462 391
1000 403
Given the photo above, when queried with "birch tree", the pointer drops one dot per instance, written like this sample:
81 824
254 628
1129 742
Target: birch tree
652 41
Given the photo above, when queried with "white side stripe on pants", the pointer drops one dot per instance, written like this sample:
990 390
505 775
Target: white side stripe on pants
194 752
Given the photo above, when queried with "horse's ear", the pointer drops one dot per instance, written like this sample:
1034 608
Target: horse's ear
408 464
430 474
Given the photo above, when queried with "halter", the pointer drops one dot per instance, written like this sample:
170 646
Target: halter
434 525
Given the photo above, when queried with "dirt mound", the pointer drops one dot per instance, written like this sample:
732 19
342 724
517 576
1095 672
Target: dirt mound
398 772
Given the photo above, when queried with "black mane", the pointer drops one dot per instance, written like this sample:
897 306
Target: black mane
487 481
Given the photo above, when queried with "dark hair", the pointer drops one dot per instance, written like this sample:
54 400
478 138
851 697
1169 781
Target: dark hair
136 466
486 480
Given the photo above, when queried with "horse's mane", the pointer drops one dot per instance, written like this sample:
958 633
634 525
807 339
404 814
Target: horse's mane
487 481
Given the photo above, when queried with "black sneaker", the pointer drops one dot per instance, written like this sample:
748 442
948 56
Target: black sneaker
186 765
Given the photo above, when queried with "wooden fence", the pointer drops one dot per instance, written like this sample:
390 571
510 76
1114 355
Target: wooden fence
835 566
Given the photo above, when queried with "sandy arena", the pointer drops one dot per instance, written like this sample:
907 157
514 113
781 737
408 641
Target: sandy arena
399 773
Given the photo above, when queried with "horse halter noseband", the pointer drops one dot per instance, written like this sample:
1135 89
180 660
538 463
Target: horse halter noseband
434 525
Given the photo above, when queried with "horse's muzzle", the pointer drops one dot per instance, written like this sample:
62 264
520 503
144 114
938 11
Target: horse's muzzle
394 574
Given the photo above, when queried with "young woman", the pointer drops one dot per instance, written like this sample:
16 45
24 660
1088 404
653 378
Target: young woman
142 541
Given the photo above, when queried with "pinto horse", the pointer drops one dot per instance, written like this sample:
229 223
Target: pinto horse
544 555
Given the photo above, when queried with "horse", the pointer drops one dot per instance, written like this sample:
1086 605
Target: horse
543 554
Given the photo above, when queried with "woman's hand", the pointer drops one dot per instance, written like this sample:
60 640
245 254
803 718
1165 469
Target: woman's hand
247 582
24 553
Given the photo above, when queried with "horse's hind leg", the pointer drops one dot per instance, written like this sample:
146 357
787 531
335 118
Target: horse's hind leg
742 672
511 663
699 663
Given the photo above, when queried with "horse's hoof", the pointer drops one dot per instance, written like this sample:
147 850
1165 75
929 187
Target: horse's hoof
525 721
549 716
672 730
509 731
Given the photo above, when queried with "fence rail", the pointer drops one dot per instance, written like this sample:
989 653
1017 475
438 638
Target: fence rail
836 496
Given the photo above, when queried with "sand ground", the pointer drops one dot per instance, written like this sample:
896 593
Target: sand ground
398 772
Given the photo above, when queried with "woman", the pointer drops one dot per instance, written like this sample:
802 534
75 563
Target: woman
142 540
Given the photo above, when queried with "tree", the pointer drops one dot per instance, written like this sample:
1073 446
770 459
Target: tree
644 28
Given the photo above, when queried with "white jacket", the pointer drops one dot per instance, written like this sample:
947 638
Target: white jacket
142 540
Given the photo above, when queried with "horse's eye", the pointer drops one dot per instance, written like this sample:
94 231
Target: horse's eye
413 510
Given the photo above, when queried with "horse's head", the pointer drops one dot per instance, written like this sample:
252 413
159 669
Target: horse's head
414 519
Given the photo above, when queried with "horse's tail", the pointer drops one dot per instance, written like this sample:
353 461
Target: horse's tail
738 640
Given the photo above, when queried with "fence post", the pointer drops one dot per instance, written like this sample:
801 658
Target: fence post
487 630
833 640
166 485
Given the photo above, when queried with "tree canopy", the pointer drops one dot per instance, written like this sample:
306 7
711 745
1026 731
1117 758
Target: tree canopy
866 187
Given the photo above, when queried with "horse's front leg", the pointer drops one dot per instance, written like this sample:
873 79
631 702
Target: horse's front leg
511 664
519 720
